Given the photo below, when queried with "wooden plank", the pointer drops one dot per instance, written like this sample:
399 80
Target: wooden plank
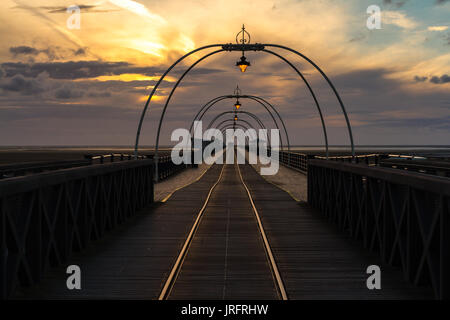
316 261
226 259
133 261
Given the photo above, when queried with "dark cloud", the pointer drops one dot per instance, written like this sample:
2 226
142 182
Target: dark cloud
447 38
398 4
85 8
80 52
202 71
420 79
106 94
419 122
62 9
52 53
369 81
66 70
441 1
68 93
20 84
357 38
25 50
85 69
440 80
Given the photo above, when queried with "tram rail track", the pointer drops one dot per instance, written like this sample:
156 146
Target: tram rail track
178 265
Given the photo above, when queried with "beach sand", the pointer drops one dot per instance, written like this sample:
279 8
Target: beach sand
185 177
290 180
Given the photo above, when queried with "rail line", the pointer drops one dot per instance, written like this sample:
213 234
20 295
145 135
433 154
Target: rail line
179 262
175 271
276 273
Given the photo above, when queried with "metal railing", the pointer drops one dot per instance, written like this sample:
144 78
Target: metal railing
46 216
439 168
297 161
404 216
112 157
22 169
166 167
368 159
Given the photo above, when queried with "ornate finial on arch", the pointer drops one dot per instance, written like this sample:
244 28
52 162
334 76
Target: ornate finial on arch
237 91
243 35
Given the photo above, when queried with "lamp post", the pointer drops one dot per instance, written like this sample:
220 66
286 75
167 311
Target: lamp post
237 93
243 63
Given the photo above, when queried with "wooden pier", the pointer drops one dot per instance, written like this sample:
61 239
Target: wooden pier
214 240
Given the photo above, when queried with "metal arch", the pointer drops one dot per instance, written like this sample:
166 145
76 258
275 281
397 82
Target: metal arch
261 124
329 83
279 116
215 100
141 120
229 126
230 47
324 128
207 107
170 96
212 102
250 126
240 120
240 126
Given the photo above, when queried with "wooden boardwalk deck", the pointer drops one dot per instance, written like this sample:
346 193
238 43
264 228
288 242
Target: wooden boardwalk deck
133 261
315 259
226 258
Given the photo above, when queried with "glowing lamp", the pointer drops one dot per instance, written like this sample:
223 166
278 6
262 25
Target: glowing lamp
243 64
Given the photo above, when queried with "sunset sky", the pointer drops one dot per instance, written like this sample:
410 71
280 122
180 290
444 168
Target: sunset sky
61 86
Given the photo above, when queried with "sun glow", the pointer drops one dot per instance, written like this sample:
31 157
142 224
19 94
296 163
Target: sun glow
148 47
128 77
154 98
138 9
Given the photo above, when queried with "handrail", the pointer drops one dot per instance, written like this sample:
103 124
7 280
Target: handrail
399 214
27 183
49 215
413 179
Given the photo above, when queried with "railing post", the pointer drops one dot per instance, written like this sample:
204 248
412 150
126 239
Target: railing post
155 161
3 256
445 250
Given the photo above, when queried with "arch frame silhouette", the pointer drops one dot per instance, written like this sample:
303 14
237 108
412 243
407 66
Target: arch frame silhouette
230 48
261 101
